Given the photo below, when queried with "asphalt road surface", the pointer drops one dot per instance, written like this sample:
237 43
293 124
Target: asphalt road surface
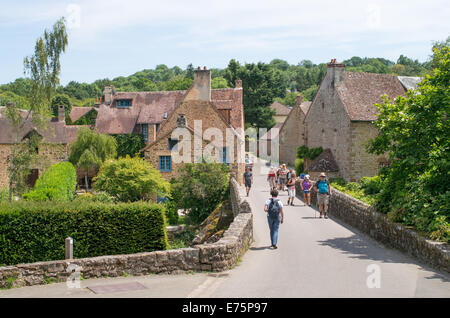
315 258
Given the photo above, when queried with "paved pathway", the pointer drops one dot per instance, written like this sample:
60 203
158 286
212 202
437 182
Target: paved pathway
315 258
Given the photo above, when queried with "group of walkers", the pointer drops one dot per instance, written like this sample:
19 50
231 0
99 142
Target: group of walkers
283 179
274 207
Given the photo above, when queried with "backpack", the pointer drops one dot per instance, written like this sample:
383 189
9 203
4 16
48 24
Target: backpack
322 186
274 208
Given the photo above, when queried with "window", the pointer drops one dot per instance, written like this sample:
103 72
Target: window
173 144
156 128
123 103
225 156
165 163
145 132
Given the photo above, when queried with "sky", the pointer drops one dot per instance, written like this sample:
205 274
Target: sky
118 38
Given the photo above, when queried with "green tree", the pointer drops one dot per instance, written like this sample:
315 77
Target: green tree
219 82
200 187
177 83
62 99
261 85
91 149
129 144
57 183
131 179
43 68
414 130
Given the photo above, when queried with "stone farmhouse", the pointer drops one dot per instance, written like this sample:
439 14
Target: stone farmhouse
340 120
281 112
157 114
53 148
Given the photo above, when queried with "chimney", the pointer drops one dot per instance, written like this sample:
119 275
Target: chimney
238 83
299 99
202 83
108 93
336 71
61 113
181 121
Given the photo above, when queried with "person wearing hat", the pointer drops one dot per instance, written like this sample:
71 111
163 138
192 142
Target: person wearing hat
306 186
323 190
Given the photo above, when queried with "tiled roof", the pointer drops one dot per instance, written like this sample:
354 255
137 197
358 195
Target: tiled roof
78 112
324 163
150 107
280 109
360 91
305 107
55 132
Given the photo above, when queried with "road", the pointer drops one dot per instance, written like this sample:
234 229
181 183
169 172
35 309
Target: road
315 258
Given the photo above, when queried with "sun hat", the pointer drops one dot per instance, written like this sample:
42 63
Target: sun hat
323 174
307 176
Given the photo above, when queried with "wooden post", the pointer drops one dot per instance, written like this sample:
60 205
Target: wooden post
69 248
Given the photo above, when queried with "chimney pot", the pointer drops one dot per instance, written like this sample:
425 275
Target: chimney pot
61 113
204 67
199 68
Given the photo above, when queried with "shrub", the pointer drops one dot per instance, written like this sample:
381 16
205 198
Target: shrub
338 181
57 183
311 154
4 195
200 187
130 179
129 144
372 185
172 212
100 196
299 166
36 231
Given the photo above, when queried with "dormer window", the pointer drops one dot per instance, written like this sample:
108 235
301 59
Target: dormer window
123 103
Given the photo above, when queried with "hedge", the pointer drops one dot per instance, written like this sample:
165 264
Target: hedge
36 231
57 183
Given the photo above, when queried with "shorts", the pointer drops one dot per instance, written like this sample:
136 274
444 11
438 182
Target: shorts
272 182
291 192
306 191
248 184
322 198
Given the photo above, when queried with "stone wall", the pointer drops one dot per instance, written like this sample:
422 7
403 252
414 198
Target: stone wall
49 155
362 164
327 124
218 256
292 135
364 218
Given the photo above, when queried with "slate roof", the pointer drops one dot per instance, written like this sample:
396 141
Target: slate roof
325 162
149 107
360 91
55 132
280 109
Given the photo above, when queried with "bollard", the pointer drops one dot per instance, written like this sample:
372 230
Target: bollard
69 248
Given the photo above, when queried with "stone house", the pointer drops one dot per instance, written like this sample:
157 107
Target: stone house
341 117
54 146
157 114
281 111
199 111
292 131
